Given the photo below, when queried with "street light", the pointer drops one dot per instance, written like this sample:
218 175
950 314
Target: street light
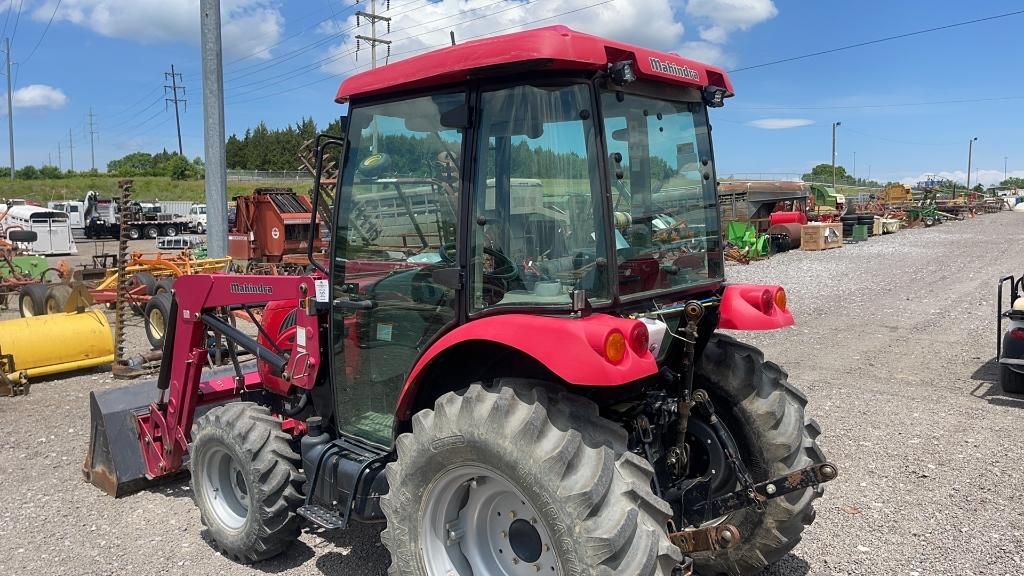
834 126
970 150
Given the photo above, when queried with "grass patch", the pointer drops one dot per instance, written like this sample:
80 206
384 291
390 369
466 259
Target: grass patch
146 188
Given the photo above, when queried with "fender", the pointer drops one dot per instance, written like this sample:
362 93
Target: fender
572 348
754 307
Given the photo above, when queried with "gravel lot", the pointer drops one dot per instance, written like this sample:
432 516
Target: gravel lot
893 346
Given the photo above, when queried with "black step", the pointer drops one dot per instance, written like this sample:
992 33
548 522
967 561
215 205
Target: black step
322 517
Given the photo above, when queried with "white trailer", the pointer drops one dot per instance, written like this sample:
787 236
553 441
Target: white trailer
52 228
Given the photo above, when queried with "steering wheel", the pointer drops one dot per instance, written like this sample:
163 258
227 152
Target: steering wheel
504 268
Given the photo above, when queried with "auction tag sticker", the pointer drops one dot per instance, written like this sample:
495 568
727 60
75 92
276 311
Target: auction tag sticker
321 290
300 336
384 332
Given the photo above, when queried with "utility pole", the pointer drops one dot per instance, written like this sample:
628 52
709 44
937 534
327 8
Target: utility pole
373 40
175 77
854 167
834 126
10 105
92 143
970 150
71 150
216 181
1004 167
60 164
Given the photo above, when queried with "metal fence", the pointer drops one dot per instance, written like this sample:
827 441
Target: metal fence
269 176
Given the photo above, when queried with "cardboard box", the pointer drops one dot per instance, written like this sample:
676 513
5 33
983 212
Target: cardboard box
876 230
818 236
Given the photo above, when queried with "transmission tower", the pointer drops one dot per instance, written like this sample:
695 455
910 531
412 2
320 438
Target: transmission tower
373 41
173 87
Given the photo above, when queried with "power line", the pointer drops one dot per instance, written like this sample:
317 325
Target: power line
10 8
878 41
17 19
350 70
43 35
895 105
298 72
131 118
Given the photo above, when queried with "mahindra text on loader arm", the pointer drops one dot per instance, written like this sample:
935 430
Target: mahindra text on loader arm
511 356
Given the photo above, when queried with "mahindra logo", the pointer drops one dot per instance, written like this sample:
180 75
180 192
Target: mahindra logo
674 69
237 288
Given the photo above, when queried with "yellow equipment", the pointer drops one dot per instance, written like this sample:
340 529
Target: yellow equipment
50 344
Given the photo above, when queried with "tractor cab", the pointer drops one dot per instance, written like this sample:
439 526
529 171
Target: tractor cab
511 193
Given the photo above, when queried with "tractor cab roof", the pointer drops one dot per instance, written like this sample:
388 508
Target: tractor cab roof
551 48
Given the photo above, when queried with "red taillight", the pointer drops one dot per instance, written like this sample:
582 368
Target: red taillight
639 338
1017 333
767 301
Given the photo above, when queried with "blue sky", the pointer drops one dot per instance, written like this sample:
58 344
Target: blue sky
284 60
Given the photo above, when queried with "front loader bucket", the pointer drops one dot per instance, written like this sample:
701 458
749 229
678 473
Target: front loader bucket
114 461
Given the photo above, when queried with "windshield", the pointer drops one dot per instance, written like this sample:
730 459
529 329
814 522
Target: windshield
663 193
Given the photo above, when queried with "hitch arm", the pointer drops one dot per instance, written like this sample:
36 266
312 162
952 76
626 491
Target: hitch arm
814 475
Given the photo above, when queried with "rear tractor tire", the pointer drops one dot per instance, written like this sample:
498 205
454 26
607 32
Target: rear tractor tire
245 481
766 416
515 477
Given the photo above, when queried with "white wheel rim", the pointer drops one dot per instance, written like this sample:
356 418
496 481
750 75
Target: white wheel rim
476 522
225 488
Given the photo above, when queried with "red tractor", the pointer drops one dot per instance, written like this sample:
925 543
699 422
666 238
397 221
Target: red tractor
511 355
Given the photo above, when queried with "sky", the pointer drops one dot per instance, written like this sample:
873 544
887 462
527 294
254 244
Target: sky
908 107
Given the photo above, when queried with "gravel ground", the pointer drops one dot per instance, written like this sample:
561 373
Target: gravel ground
893 346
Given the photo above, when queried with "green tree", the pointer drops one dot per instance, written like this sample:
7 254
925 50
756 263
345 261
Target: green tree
27 173
823 173
50 172
178 168
1013 182
132 165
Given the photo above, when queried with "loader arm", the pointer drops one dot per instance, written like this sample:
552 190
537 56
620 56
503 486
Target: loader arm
165 428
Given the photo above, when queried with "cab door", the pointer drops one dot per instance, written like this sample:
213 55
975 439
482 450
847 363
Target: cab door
395 243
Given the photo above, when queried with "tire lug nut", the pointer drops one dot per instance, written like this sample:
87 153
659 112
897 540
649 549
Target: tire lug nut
770 489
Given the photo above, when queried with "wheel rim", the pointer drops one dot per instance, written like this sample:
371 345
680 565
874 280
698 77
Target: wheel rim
156 323
477 522
225 488
27 309
51 306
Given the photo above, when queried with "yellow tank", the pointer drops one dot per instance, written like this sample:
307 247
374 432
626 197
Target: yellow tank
43 345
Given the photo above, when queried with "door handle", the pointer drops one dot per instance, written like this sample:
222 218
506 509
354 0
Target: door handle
346 304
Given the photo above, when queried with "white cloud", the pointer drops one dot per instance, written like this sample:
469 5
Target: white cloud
707 53
651 23
248 26
780 123
986 177
726 16
39 96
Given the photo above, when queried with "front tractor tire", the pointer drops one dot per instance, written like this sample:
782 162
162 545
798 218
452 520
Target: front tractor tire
766 416
245 481
517 478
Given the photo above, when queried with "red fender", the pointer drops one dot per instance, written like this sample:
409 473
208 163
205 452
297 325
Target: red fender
754 307
572 348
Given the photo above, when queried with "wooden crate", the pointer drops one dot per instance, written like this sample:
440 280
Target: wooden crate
819 236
